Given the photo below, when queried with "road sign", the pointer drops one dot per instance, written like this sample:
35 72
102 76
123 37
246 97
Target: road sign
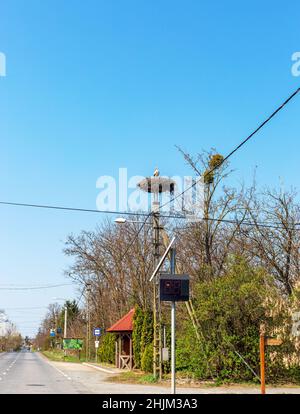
97 331
165 354
273 341
52 333
73 343
58 330
174 288
96 344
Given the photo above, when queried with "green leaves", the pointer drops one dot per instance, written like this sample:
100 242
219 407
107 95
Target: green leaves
229 310
106 350
143 339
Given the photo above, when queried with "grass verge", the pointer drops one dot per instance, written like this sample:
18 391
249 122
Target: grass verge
133 377
58 355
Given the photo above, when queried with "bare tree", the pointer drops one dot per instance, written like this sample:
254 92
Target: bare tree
117 270
274 241
205 245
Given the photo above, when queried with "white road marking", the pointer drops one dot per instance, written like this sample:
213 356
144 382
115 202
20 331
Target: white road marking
10 366
57 369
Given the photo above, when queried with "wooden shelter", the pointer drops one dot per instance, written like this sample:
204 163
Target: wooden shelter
124 349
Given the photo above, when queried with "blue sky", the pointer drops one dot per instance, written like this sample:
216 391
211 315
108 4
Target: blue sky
97 85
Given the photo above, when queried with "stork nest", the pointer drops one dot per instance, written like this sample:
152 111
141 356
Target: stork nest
157 185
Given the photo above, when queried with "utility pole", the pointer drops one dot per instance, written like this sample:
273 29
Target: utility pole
65 321
65 326
88 325
156 185
157 349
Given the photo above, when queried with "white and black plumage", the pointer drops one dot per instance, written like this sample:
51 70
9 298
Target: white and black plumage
156 172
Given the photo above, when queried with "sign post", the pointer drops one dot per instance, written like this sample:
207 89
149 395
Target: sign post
262 359
263 342
173 330
96 347
173 355
52 336
97 334
173 288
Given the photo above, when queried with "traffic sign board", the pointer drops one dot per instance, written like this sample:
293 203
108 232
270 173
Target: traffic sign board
273 341
96 344
174 288
97 331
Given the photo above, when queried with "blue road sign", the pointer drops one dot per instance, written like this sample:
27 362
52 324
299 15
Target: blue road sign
97 331
52 333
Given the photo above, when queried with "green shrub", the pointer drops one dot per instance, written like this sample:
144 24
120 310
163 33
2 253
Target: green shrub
137 334
106 350
147 330
229 309
142 336
147 358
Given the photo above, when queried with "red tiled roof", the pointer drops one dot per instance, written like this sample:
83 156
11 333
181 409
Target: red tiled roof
124 324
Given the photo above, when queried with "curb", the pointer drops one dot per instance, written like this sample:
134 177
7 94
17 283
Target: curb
98 368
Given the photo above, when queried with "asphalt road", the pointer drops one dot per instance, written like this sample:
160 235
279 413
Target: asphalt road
31 373
28 373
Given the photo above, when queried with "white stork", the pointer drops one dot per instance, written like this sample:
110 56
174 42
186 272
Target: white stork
156 172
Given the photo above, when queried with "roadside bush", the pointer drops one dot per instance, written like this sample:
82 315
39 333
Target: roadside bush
230 310
138 320
106 350
147 358
147 330
142 338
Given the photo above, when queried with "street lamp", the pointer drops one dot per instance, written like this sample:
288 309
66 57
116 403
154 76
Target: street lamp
122 220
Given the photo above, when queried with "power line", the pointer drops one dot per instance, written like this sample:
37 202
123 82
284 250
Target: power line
84 210
144 214
147 215
220 164
209 172
136 236
25 308
35 287
277 226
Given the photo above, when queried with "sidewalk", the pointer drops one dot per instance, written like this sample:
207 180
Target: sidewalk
165 387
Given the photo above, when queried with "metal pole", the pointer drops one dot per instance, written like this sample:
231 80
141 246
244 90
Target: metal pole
65 327
87 351
173 329
89 326
96 348
173 358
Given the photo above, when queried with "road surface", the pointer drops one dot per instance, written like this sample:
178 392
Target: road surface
28 373
31 373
